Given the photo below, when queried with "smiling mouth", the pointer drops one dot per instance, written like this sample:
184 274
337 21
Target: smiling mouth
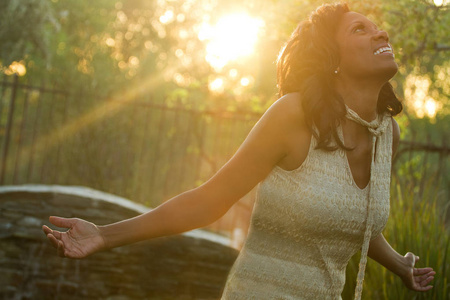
385 49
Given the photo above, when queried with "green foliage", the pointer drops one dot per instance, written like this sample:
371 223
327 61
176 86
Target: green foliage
105 46
25 28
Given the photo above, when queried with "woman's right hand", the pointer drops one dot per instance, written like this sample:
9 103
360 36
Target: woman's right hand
82 239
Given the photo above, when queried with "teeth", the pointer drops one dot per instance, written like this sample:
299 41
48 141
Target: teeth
383 49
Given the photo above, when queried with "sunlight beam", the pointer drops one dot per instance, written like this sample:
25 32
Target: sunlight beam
102 111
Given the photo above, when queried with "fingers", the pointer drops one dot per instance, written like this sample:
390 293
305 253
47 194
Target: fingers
62 222
60 249
423 289
423 286
422 282
48 230
54 236
424 277
58 244
53 241
421 271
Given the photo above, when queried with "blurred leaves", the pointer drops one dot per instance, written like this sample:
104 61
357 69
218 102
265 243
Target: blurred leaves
25 28
153 46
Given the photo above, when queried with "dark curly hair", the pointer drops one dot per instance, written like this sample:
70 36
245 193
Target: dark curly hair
306 65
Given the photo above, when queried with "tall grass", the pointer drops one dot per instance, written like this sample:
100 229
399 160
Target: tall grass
417 224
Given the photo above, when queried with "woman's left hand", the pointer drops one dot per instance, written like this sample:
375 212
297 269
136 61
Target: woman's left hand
417 279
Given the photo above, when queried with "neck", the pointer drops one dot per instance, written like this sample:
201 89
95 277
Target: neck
359 95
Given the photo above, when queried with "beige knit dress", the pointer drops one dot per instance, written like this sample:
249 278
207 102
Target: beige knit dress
308 223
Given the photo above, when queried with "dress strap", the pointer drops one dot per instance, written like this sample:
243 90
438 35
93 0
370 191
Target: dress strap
376 127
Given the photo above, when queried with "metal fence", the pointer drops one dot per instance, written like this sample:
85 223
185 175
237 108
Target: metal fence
136 147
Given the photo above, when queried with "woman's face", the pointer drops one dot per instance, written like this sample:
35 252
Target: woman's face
364 49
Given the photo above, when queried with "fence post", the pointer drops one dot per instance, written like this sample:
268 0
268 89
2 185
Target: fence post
8 128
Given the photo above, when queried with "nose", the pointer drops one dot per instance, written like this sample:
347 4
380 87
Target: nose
381 34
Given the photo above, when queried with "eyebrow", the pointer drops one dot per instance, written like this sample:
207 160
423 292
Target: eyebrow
351 26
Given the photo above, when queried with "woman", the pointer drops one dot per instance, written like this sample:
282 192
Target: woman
325 173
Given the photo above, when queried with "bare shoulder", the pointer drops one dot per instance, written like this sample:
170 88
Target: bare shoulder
288 110
294 133
395 136
289 103
280 122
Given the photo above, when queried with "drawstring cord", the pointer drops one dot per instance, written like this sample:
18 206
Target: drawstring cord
376 129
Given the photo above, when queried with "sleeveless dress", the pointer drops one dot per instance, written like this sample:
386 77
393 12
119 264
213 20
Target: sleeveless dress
308 223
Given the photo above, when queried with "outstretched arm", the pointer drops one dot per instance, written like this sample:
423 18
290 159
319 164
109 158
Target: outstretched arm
264 148
416 279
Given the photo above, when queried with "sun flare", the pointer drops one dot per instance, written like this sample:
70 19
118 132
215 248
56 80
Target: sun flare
233 36
441 2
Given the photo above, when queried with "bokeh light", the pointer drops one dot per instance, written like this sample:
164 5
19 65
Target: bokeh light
418 97
216 85
245 81
16 68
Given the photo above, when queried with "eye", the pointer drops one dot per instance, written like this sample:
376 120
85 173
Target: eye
359 28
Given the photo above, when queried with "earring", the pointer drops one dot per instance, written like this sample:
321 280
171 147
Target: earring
336 71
